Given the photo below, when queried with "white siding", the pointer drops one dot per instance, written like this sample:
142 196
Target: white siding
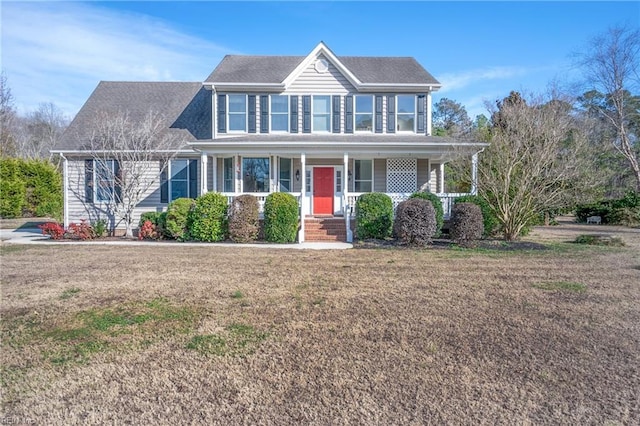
310 81
80 209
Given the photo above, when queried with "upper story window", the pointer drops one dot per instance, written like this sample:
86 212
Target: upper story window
237 113
364 113
406 113
321 108
279 113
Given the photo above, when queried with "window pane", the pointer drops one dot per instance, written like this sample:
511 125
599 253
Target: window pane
364 186
405 122
406 104
364 121
364 104
228 174
237 121
237 103
321 105
255 174
104 180
179 169
285 168
280 122
322 123
363 170
280 103
179 189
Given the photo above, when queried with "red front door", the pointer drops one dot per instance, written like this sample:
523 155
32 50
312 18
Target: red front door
323 190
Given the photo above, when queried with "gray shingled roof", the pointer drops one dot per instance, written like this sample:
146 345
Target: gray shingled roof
274 69
184 107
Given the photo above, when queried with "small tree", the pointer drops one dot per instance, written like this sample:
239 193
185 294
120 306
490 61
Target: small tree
140 148
536 161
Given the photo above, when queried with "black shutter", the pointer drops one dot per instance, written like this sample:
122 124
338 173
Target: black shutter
336 113
264 114
306 114
422 116
252 113
222 113
391 114
164 182
88 181
348 114
294 114
378 114
117 181
193 178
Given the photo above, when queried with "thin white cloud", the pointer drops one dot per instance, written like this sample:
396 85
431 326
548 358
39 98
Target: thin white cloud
57 52
456 81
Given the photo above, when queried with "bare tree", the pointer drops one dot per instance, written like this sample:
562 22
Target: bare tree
129 156
611 63
7 119
38 132
535 161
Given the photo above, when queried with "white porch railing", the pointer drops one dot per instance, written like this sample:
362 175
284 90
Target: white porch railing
397 197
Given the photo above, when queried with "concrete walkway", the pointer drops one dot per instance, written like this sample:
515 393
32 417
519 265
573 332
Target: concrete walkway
34 236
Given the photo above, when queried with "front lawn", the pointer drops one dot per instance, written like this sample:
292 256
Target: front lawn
233 335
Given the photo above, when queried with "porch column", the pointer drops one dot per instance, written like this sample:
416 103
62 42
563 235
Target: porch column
203 173
346 209
214 164
65 199
474 174
441 179
429 113
303 195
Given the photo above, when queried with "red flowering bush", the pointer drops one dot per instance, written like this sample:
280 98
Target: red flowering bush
80 231
53 229
148 231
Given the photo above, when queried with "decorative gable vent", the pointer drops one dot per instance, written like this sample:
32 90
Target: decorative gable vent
322 66
402 174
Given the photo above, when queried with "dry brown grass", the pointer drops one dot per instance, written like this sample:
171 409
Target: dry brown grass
365 336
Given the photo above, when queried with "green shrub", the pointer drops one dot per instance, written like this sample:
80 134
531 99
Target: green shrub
437 205
12 194
374 216
415 222
244 223
281 218
466 223
99 228
207 220
176 218
599 240
149 216
29 188
489 218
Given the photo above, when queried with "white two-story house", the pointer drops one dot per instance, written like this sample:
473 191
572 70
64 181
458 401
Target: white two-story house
325 128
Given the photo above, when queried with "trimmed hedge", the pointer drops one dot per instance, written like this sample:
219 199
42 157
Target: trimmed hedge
489 219
374 216
622 211
177 214
437 205
207 220
281 218
415 222
29 188
466 223
244 223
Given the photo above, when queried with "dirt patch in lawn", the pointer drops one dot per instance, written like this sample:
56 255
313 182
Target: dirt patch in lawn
233 335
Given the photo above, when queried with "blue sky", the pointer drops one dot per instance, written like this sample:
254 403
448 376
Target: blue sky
59 51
